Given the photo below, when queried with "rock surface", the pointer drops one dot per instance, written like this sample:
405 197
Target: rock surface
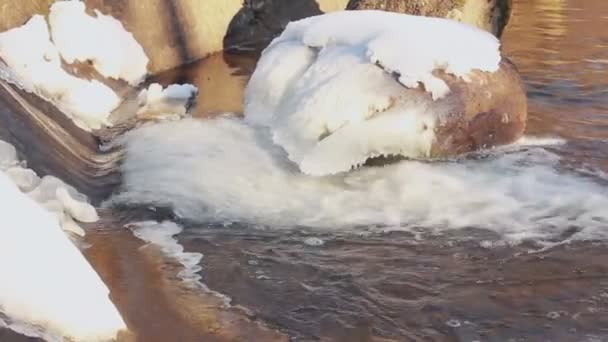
488 111
490 15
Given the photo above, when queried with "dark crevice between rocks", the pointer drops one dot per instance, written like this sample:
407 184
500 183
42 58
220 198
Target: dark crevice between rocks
259 21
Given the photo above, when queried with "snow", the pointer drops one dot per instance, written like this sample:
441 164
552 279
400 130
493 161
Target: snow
46 281
279 67
411 46
102 40
33 62
172 101
225 170
59 198
326 88
163 234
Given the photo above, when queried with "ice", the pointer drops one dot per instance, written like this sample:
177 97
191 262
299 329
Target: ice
337 89
172 101
8 155
32 61
46 281
102 40
163 234
226 170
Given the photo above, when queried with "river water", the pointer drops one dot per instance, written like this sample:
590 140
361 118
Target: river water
463 285
514 277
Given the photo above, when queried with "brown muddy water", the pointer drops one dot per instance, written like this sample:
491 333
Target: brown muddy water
391 286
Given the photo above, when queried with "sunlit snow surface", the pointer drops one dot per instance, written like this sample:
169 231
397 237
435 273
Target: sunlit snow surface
100 39
172 101
336 89
33 62
225 170
46 281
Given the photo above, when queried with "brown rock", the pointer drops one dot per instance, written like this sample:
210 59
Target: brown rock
488 111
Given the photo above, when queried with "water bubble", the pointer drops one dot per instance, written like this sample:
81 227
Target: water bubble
454 323
313 241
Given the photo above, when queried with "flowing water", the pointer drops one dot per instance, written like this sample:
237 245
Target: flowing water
503 246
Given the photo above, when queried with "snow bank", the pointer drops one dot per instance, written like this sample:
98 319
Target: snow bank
225 170
45 279
173 101
102 40
411 46
60 199
326 87
34 63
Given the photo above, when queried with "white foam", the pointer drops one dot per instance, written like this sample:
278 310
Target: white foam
171 102
163 235
46 281
224 171
33 62
320 90
102 40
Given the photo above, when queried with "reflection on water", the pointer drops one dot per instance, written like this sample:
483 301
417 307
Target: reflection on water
220 78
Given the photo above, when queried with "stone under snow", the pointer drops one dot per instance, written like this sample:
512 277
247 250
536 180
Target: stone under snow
31 60
331 88
101 39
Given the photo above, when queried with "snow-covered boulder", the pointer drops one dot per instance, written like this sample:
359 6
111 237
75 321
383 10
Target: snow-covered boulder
46 281
102 40
170 102
30 59
338 89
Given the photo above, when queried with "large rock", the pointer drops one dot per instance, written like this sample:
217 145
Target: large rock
259 21
490 15
487 111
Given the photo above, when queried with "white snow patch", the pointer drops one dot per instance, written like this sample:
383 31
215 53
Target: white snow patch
412 46
224 170
163 235
326 87
32 61
277 70
173 101
102 40
46 281
65 202
8 155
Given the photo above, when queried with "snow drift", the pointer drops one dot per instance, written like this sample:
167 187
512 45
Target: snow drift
46 281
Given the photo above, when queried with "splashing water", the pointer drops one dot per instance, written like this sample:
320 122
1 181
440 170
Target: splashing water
225 171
